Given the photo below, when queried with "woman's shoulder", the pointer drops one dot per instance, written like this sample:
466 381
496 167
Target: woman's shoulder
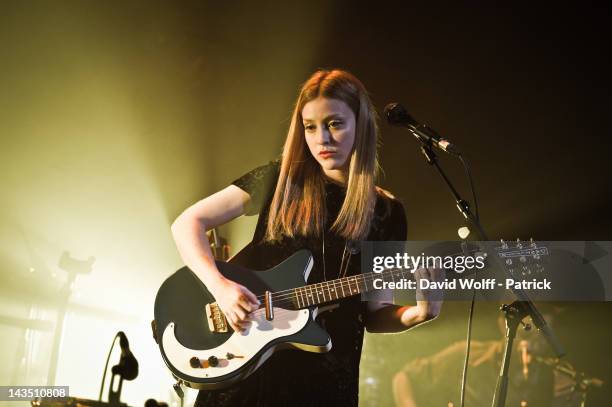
388 200
258 183
269 168
258 174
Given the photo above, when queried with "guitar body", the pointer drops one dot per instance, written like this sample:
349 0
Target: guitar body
183 331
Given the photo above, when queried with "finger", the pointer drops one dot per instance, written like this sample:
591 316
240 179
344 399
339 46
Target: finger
242 325
233 320
246 304
240 314
252 298
249 295
232 324
238 324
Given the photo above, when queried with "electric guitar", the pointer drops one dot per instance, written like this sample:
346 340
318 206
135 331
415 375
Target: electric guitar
203 352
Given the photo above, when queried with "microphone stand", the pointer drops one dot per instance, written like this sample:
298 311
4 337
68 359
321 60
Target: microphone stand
515 312
115 395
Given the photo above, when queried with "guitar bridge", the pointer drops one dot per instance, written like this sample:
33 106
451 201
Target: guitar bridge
215 318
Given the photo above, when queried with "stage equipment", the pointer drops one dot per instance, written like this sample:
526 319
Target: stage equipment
397 115
127 369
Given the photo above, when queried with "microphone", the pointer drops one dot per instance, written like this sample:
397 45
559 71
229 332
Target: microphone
128 365
398 116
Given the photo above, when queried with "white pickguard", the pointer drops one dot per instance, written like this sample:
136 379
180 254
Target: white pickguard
247 344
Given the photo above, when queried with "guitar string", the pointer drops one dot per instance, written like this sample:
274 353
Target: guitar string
318 289
315 297
291 292
338 285
292 300
290 297
284 311
311 296
342 270
341 283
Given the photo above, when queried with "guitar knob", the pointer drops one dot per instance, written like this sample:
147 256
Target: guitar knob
213 361
195 362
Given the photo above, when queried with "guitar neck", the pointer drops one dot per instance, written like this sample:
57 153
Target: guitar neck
328 291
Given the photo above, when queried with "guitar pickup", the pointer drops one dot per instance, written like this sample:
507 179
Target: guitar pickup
217 323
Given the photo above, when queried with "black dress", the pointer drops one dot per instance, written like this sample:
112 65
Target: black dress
293 377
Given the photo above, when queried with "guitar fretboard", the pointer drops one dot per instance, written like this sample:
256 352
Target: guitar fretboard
327 291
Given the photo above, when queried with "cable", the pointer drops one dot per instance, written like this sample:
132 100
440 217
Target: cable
466 362
469 176
106 366
467 349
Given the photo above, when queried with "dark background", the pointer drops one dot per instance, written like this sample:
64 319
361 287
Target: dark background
523 91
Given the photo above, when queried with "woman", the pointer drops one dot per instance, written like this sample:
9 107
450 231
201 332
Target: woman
320 196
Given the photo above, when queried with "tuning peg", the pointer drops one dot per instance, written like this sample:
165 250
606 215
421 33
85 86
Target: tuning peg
519 244
532 243
504 245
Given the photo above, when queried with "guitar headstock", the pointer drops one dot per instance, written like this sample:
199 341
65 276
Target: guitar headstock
522 258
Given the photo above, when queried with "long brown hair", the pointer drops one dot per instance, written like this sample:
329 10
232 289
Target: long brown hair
298 205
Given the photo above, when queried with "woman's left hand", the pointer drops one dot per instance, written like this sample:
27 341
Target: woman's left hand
428 294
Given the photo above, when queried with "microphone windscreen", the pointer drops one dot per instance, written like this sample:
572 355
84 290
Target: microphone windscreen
130 366
398 116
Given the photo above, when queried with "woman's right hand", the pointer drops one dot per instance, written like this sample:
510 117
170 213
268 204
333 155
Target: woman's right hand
236 301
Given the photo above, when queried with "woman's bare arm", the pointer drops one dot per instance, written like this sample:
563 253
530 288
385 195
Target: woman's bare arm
190 226
386 317
189 232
